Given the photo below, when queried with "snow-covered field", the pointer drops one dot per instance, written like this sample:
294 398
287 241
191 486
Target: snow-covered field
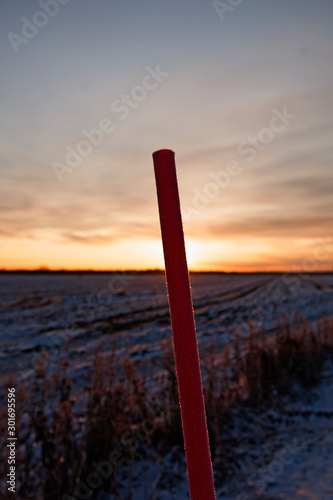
45 317
285 452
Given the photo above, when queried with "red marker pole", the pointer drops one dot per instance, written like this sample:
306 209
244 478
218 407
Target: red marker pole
199 465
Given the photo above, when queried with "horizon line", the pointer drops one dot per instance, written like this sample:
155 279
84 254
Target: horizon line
158 270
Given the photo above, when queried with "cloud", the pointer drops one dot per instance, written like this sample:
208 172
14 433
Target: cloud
284 227
87 239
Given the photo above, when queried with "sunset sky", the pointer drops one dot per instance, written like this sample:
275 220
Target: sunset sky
243 97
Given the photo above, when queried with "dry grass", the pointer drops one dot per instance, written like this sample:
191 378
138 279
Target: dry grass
61 437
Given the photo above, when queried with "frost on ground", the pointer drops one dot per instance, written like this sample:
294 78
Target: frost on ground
294 456
271 435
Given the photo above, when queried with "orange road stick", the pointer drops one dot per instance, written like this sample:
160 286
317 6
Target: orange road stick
199 465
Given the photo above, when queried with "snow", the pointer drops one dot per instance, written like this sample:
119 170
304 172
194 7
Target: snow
64 317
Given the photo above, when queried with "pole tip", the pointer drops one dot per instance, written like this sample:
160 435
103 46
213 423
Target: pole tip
163 153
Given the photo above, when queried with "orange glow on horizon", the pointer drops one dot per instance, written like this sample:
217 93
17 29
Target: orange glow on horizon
146 253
